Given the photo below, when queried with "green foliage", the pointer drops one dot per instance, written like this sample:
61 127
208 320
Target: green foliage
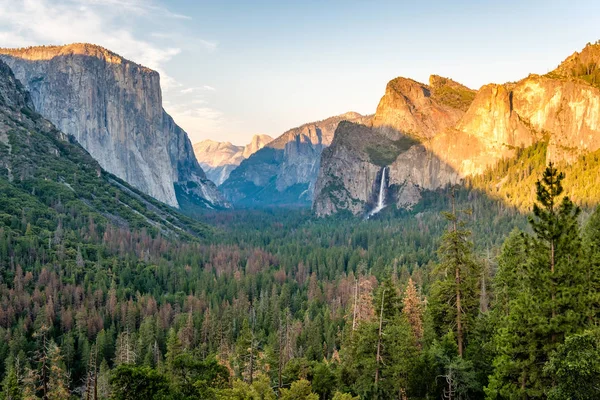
452 94
455 296
591 251
300 390
542 288
138 383
259 390
193 378
386 151
575 368
513 180
399 355
344 396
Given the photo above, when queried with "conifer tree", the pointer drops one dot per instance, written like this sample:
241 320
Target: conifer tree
455 297
540 294
413 309
11 384
58 379
556 256
591 241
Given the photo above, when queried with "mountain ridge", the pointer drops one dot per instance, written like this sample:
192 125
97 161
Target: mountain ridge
113 107
45 172
284 172
446 141
218 159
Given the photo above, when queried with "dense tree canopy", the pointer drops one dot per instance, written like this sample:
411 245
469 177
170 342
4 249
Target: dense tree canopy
276 304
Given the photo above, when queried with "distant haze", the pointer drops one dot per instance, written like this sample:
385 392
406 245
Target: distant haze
232 70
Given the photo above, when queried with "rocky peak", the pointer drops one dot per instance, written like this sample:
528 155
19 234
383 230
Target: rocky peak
315 133
285 170
408 107
220 158
213 153
113 108
451 93
584 64
256 143
561 108
45 53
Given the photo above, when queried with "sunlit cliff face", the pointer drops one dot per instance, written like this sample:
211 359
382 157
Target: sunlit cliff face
562 108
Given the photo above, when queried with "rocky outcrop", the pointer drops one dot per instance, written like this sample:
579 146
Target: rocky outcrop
284 171
408 116
113 107
218 159
458 133
409 107
45 172
347 175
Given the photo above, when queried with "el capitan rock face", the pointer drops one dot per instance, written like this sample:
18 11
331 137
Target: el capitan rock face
113 107
440 133
218 159
284 172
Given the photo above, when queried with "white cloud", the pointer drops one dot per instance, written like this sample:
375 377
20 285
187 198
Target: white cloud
140 7
196 89
34 22
109 23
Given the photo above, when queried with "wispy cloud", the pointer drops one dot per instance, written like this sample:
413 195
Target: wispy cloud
110 23
138 6
33 22
209 45
207 88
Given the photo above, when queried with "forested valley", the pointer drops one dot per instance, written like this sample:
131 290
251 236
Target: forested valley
463 297
488 289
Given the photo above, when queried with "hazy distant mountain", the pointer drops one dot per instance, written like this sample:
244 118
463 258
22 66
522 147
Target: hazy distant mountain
285 170
218 159
113 107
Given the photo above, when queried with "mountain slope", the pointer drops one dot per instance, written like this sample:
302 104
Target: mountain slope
457 133
49 179
351 168
218 159
284 172
113 108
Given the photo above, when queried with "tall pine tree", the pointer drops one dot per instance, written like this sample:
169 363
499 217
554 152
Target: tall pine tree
540 286
455 296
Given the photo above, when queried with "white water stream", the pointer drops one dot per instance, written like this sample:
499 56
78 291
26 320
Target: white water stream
381 197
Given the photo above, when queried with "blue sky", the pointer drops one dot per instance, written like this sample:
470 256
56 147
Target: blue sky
231 69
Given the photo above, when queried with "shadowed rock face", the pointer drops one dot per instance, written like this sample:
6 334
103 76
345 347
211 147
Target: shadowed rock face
456 133
218 159
113 107
284 172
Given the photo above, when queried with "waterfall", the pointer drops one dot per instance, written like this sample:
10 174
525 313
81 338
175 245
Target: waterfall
381 196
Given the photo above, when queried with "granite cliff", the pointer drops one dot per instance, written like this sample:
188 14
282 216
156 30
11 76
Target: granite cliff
46 176
113 108
284 172
428 136
218 159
